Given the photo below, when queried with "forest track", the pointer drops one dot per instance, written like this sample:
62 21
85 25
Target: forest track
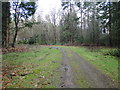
67 76
93 76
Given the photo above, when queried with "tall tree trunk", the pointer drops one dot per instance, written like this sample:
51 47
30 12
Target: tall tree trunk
84 21
7 30
54 27
81 33
5 23
118 23
15 36
110 36
16 29
88 19
1 25
93 37
70 24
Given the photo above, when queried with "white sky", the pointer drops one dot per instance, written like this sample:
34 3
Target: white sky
46 6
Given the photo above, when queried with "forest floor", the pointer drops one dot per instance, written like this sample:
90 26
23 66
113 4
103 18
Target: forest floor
60 67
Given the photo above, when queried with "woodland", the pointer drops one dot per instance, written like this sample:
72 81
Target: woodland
76 46
97 24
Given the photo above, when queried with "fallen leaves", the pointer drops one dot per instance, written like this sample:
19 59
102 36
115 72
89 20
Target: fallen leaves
8 50
27 72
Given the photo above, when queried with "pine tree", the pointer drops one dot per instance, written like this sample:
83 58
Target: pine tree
5 23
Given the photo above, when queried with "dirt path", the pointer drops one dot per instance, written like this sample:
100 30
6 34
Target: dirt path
95 78
93 75
67 77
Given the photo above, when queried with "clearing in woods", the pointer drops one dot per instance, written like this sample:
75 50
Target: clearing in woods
57 67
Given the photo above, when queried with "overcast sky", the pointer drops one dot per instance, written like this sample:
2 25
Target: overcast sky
46 6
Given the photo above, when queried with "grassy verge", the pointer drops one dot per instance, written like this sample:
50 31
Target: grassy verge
33 69
106 63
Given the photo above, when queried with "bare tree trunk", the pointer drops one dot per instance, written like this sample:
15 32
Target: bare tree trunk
16 20
54 27
93 37
81 33
84 21
88 19
70 27
16 31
